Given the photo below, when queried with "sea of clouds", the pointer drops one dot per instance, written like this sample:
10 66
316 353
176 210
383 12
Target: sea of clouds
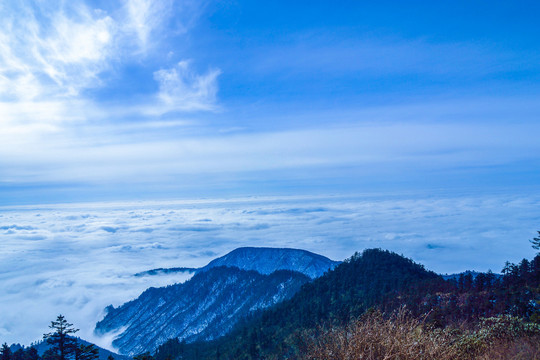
76 259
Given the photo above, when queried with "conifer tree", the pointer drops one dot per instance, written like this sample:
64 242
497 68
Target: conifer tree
536 242
63 345
5 353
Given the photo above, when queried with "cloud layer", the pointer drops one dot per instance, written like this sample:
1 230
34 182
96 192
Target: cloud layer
77 259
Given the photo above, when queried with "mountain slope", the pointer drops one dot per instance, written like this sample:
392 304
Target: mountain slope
385 281
267 260
364 281
204 307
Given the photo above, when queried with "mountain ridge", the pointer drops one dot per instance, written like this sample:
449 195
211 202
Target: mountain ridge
245 258
214 299
248 258
204 307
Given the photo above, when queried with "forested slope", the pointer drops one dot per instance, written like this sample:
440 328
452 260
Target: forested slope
379 280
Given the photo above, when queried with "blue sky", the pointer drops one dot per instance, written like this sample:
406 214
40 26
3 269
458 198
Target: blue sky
138 99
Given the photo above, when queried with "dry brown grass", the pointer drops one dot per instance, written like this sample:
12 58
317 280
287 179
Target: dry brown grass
402 337
374 337
519 349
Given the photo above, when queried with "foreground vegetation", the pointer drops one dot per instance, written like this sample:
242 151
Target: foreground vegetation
402 336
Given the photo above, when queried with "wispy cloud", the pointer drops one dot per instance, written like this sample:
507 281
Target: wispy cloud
48 57
58 55
143 17
385 141
53 54
180 88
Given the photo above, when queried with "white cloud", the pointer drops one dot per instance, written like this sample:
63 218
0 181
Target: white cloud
145 17
52 53
49 55
77 50
180 88
60 55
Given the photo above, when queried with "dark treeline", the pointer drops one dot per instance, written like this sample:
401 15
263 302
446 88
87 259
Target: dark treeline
62 345
23 353
515 293
375 279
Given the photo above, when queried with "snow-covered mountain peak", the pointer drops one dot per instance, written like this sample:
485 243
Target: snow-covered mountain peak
266 260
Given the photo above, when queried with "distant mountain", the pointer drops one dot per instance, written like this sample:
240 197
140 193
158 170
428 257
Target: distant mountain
207 314
267 260
165 271
104 354
204 307
473 274
263 260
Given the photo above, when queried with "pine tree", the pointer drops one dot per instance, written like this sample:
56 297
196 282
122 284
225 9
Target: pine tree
536 242
5 353
63 345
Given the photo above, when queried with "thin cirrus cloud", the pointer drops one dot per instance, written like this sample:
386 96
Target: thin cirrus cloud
144 17
58 56
379 144
53 54
180 88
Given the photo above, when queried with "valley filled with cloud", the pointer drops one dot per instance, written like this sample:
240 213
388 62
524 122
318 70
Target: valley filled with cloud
78 258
